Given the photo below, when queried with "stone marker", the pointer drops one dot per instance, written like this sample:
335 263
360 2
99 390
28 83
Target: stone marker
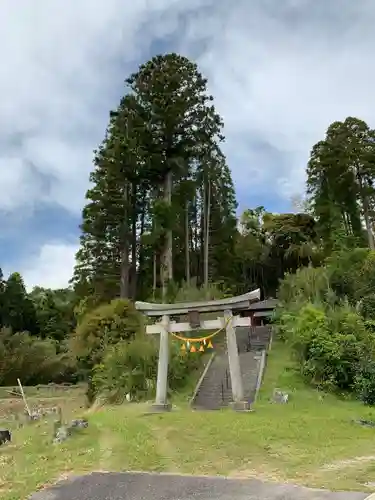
280 396
5 436
80 423
63 432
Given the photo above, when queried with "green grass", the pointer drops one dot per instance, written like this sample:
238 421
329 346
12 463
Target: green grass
311 440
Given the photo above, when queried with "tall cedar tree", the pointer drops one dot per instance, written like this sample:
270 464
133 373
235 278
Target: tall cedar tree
107 255
340 183
184 128
18 311
161 192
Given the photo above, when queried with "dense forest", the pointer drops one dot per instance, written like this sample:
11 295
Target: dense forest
160 223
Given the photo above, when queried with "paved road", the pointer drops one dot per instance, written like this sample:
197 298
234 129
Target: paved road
130 486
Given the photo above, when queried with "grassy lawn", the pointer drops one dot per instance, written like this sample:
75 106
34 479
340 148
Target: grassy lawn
311 440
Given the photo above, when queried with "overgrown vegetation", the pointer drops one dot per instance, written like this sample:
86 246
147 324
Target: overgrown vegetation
328 325
160 224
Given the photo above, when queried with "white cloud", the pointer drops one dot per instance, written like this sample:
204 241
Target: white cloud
280 72
283 71
57 83
51 268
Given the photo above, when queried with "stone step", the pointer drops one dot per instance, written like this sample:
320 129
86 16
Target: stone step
215 391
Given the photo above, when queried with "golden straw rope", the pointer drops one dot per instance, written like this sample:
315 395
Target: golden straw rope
201 339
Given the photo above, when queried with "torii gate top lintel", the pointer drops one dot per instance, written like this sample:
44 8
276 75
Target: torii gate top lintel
238 302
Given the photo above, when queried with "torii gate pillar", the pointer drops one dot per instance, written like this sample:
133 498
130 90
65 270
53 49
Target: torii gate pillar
239 403
161 401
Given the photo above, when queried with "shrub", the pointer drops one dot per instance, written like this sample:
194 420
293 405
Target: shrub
344 270
33 360
364 383
131 367
86 305
308 284
181 366
191 292
366 307
104 326
329 343
365 281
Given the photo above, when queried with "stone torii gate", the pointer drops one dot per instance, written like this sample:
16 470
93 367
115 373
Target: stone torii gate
193 309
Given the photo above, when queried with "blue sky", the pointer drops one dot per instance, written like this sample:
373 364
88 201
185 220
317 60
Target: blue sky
280 72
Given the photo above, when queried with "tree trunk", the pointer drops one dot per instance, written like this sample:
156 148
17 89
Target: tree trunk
202 232
167 257
187 245
124 270
207 215
370 234
154 275
141 252
134 256
195 239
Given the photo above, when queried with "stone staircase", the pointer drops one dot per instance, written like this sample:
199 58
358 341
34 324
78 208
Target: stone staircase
215 391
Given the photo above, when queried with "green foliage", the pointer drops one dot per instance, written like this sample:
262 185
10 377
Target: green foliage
340 178
131 368
54 312
329 344
345 271
33 360
165 128
364 382
327 316
33 331
18 311
84 306
104 326
366 307
192 293
271 245
366 277
181 366
308 284
127 368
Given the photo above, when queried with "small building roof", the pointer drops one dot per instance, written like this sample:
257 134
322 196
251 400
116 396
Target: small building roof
263 314
263 305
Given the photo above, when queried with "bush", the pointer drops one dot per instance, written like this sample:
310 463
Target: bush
364 383
366 307
86 305
33 360
106 325
327 314
308 284
329 343
365 283
344 270
181 366
191 293
131 368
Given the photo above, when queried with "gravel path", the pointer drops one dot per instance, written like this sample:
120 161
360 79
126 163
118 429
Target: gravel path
142 486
